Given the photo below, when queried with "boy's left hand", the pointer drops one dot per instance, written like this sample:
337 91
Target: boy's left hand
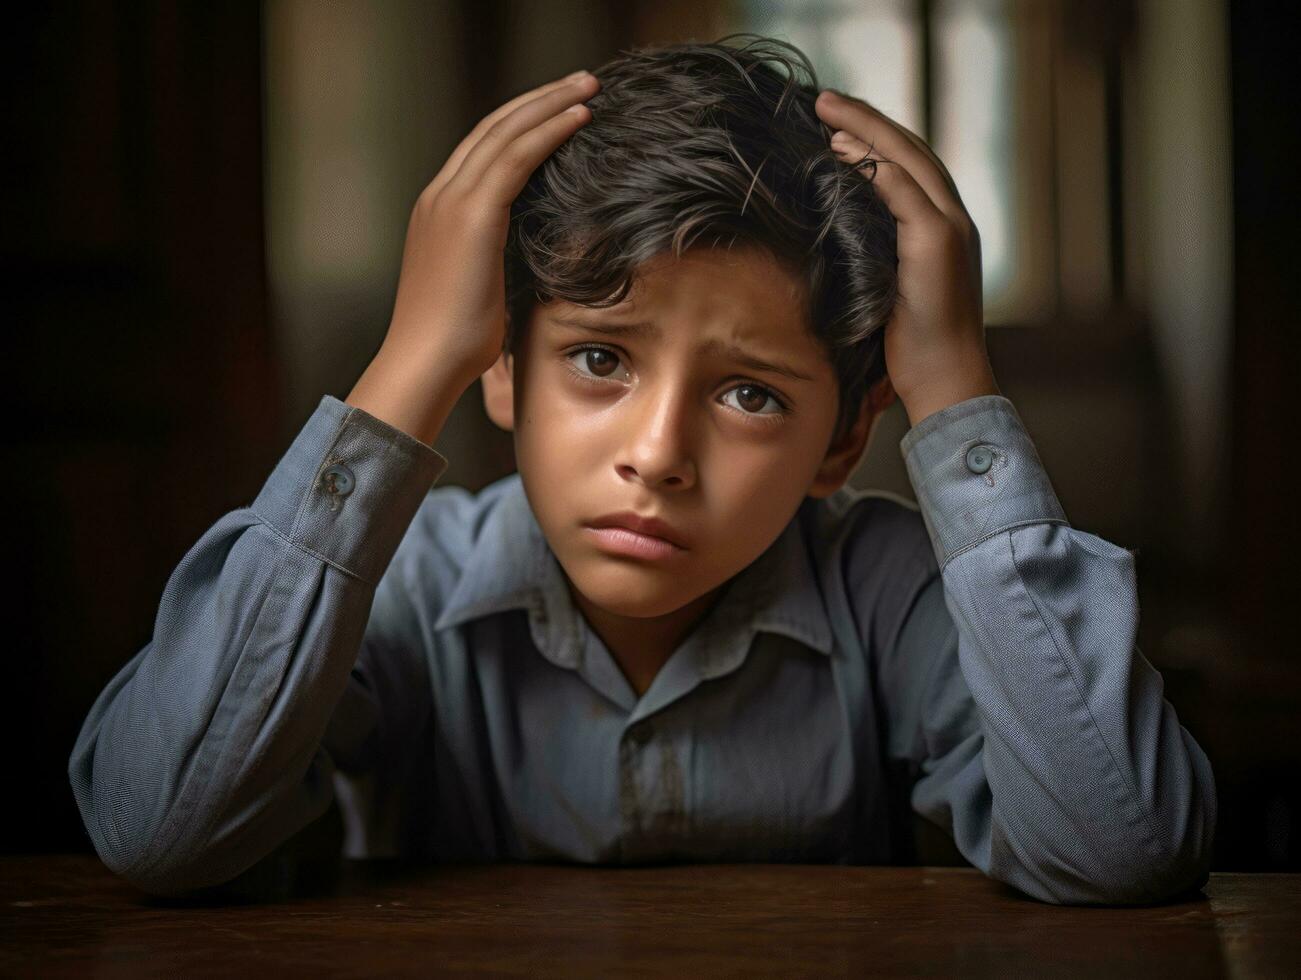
935 339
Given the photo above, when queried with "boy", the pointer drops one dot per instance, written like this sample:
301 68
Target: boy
674 633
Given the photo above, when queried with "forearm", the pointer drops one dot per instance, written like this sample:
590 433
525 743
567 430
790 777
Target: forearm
205 752
1097 793
1064 772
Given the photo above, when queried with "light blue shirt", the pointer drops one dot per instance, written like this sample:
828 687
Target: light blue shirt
415 654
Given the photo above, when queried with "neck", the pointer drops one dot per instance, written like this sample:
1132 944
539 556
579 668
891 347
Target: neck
642 645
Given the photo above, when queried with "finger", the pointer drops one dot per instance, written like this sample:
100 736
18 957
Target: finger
453 164
896 143
515 123
906 199
510 169
916 140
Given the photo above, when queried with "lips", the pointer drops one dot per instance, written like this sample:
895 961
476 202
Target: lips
642 525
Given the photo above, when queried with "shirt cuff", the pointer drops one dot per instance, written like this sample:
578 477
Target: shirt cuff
348 488
976 473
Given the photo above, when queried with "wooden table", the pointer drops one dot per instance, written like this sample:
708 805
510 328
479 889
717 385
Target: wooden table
67 915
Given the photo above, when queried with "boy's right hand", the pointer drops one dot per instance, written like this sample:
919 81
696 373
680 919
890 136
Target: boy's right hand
451 298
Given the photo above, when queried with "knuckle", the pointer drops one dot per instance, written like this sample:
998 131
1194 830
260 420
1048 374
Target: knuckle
510 159
433 198
966 230
473 212
450 206
514 162
428 198
945 240
957 233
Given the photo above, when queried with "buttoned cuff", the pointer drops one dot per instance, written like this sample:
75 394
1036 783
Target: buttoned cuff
976 473
348 488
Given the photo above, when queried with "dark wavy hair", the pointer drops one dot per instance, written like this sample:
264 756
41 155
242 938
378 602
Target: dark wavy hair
710 143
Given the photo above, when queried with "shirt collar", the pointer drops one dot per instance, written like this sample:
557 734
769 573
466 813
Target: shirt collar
512 566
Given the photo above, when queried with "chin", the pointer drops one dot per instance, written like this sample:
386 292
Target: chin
633 591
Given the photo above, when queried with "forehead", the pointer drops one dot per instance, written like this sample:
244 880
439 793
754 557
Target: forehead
741 295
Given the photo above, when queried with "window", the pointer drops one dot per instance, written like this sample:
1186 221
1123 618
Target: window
984 82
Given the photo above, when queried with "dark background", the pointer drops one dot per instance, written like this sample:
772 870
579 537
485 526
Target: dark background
147 382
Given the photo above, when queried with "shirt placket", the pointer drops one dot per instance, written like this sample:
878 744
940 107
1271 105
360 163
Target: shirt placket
652 787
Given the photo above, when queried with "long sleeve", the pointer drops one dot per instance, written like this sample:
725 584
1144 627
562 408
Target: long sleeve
218 741
1039 732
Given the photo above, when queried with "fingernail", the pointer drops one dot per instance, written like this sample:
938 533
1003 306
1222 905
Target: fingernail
575 76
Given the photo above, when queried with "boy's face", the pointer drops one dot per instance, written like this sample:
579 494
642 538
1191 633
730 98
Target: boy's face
672 424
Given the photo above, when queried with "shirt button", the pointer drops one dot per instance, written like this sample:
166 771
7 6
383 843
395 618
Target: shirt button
338 480
640 735
979 459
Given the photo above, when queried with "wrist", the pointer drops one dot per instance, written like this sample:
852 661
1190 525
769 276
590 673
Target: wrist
411 391
947 391
426 359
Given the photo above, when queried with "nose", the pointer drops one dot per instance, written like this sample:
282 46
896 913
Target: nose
661 434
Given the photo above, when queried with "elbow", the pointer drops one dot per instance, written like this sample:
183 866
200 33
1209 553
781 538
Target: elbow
1180 879
178 872
136 852
1154 882
1138 882
1140 875
252 861
1145 878
308 860
172 868
1175 862
165 877
152 865
1183 864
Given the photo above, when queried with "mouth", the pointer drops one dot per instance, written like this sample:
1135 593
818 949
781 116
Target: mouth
642 525
632 544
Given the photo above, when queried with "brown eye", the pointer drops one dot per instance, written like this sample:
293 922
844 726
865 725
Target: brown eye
593 362
751 398
600 361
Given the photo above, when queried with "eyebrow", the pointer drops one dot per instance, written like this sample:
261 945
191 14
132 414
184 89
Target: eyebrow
721 348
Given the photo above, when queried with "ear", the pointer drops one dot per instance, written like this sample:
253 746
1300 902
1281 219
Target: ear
499 392
844 455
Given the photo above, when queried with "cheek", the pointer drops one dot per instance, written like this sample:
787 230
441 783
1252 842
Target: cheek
561 431
758 494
